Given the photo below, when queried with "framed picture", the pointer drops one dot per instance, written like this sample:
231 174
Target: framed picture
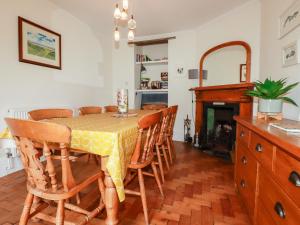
290 54
39 45
290 19
243 73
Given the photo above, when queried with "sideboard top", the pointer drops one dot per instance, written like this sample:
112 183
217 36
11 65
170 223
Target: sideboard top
289 142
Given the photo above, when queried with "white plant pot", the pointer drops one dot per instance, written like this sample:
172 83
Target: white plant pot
270 105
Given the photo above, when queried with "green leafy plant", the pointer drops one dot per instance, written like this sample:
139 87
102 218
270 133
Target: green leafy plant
271 89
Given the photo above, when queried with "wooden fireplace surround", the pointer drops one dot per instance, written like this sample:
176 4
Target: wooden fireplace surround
232 93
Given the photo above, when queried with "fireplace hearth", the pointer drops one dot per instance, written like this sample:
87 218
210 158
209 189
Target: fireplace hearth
217 136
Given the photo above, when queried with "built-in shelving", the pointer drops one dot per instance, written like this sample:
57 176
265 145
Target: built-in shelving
153 62
151 91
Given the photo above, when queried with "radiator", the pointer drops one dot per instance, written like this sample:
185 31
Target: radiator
22 113
18 113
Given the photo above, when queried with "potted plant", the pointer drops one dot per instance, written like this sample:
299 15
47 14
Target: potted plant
271 95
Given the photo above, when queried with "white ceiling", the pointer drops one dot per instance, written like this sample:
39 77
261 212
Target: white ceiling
152 16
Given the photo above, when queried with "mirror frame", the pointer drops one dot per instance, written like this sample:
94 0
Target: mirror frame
224 45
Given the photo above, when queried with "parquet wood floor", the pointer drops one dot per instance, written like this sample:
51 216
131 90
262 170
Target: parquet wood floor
199 190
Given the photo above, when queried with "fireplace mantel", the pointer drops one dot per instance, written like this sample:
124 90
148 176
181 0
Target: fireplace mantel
233 93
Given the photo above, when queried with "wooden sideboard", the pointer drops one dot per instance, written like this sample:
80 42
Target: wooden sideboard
267 172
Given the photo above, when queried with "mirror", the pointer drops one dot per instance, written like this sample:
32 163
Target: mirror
225 64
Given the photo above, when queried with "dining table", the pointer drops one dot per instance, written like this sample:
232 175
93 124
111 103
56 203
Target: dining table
112 137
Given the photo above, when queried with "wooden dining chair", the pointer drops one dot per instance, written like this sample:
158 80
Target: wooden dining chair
170 143
143 157
111 108
89 110
47 114
44 114
161 143
154 106
46 183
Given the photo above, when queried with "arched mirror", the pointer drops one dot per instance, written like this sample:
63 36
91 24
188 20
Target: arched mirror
228 63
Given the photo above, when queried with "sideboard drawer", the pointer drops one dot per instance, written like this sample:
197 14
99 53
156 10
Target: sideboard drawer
243 134
281 208
263 217
287 172
262 149
246 164
247 193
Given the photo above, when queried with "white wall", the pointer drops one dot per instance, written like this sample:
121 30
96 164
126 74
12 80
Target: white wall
86 61
242 23
271 51
123 70
185 51
223 66
85 78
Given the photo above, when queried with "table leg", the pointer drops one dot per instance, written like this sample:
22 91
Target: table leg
111 197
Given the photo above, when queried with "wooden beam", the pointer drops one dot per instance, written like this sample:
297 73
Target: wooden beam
152 42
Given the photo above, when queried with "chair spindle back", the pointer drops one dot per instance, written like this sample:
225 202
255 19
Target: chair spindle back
43 114
149 128
173 113
164 126
89 110
111 108
29 134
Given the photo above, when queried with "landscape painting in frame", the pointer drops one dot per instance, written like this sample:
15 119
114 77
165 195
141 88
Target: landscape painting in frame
290 19
39 45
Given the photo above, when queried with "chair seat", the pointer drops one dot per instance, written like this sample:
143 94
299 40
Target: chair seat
141 165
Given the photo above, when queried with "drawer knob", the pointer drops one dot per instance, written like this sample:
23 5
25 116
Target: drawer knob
294 178
244 160
279 210
242 134
243 184
259 148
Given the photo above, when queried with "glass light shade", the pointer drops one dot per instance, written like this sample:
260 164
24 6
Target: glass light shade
130 35
125 4
117 35
131 23
124 15
117 13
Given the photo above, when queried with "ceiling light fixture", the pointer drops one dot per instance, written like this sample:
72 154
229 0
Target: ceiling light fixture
117 34
131 23
117 13
124 15
120 16
130 35
125 4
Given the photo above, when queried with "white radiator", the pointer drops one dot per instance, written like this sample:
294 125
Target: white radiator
19 113
22 113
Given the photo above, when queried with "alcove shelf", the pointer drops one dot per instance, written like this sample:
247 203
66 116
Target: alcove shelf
153 62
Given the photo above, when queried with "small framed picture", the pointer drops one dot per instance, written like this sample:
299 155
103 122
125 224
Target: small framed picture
290 54
39 45
290 19
243 73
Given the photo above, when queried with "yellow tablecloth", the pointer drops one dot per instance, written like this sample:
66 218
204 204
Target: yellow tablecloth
105 135
5 134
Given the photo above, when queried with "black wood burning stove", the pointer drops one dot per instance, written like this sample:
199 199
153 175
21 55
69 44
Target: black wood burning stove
217 136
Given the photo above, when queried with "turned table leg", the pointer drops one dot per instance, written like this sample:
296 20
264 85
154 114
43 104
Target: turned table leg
111 197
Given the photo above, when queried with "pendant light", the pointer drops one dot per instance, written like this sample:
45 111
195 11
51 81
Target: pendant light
131 23
117 35
124 15
125 4
117 13
121 13
130 35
